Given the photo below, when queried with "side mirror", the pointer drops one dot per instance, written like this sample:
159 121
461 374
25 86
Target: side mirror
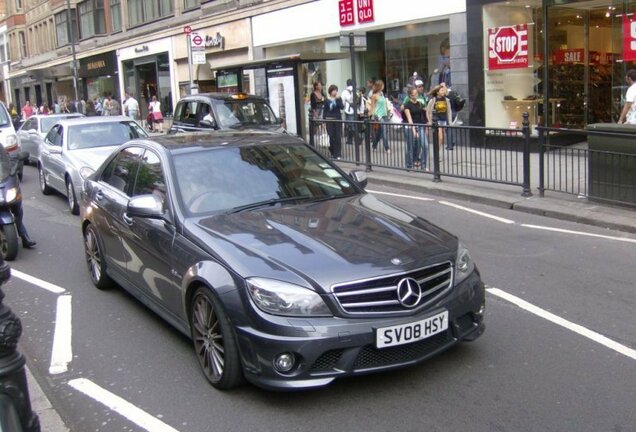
145 206
53 149
360 177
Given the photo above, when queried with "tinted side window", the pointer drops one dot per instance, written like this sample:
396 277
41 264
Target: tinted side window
55 136
121 171
206 113
150 179
186 113
30 124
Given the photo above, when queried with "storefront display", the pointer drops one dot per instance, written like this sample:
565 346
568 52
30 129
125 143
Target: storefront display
99 75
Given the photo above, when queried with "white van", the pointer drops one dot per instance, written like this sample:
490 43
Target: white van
8 137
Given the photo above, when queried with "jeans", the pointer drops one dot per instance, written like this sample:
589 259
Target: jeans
334 130
379 132
416 146
350 129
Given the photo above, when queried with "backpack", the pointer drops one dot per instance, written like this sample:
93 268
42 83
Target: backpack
457 101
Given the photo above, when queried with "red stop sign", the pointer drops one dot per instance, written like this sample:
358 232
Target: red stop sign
506 44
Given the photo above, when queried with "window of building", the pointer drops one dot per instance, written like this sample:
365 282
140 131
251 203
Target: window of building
18 4
188 4
61 27
91 14
3 48
115 15
23 45
141 11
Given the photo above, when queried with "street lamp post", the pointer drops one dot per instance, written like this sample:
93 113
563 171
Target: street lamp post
71 34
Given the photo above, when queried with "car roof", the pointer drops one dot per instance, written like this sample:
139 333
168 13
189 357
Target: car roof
222 96
93 120
188 141
56 115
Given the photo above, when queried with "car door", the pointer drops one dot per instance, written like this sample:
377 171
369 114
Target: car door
149 241
51 158
185 116
109 197
30 138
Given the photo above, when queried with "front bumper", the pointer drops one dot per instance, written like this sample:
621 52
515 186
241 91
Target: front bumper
328 348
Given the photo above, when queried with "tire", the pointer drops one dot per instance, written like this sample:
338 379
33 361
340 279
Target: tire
73 205
9 241
44 188
214 341
95 259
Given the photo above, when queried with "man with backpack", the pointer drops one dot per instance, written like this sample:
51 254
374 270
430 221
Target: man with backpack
457 103
347 99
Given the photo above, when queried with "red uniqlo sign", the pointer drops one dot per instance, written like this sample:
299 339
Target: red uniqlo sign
629 38
365 11
508 47
347 14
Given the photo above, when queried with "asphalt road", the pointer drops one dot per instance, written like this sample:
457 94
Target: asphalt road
525 373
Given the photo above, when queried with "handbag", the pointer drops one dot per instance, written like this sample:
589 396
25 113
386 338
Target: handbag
157 116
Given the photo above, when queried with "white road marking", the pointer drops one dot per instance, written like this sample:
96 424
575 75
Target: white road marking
576 328
539 227
401 196
121 406
39 282
488 215
62 352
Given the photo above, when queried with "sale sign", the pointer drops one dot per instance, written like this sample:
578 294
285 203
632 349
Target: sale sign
568 56
629 37
347 14
508 47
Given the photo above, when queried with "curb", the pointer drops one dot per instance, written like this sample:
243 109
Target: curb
50 420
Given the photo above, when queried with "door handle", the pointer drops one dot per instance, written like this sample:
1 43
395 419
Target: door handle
127 219
99 195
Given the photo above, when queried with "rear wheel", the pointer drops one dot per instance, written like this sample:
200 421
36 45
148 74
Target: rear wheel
72 199
214 341
46 190
95 259
9 241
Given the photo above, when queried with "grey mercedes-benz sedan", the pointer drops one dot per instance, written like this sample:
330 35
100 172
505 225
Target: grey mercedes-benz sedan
276 263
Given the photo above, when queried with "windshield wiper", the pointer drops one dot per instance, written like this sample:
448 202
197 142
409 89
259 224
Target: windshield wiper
266 203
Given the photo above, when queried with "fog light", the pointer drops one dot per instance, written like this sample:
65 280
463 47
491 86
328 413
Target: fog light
284 362
482 309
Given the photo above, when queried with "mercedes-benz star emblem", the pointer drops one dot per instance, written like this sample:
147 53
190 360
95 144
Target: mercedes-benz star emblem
409 292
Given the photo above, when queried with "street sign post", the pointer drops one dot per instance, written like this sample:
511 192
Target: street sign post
197 46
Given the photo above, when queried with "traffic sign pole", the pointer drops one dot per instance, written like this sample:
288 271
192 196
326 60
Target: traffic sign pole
189 61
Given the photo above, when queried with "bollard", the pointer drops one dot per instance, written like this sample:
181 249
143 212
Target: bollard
15 406
526 156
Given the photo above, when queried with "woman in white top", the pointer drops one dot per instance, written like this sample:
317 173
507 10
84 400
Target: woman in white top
155 109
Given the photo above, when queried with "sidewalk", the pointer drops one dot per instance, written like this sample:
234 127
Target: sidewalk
50 420
556 205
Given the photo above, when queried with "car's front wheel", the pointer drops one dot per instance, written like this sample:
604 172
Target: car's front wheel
214 341
46 190
73 205
95 259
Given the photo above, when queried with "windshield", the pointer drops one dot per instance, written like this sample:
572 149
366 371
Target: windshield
226 179
4 116
83 136
237 113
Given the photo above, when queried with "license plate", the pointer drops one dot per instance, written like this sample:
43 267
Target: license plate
411 332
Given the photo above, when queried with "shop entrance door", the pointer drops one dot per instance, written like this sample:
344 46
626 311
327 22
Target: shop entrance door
147 85
580 65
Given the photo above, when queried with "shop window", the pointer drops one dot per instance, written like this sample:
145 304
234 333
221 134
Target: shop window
115 15
141 11
91 14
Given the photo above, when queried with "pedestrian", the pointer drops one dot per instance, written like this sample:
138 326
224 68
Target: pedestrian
27 110
115 107
439 109
416 143
45 109
107 106
90 108
131 106
316 103
379 115
369 89
99 109
16 207
333 111
350 116
155 109
628 115
56 107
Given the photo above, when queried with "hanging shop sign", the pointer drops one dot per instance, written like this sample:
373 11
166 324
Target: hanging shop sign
346 12
629 37
508 47
98 65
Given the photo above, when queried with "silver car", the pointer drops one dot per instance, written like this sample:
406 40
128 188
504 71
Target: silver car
74 148
33 131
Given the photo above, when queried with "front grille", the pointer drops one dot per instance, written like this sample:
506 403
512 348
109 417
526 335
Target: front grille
372 357
327 361
380 295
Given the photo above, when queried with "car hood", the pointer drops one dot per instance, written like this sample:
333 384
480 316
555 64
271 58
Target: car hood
257 127
90 157
323 243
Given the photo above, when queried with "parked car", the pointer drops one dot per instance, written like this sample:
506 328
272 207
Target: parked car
275 262
33 131
74 148
223 111
8 136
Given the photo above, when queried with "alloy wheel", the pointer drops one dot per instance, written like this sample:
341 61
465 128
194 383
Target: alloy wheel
93 256
208 338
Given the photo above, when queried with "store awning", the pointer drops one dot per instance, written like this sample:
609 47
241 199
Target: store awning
291 58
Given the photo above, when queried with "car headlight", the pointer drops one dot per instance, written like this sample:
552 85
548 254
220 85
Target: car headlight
84 172
464 264
11 194
282 298
11 142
